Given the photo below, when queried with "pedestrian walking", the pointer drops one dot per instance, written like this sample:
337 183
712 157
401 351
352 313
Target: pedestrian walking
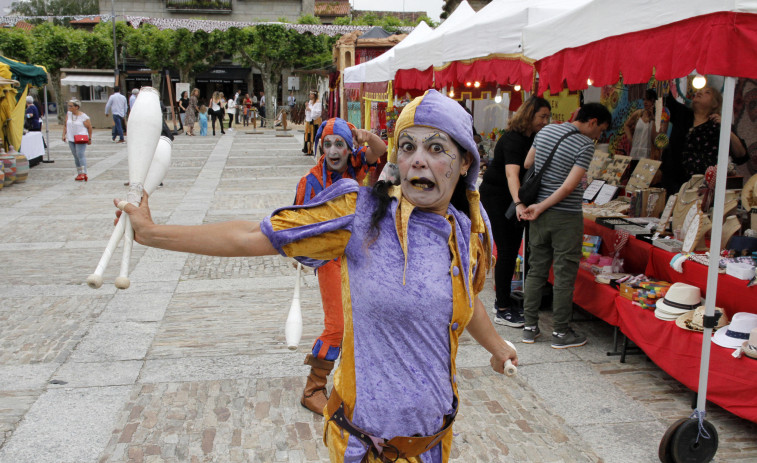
556 219
183 103
416 257
78 133
313 110
231 109
216 111
118 106
238 101
261 108
191 114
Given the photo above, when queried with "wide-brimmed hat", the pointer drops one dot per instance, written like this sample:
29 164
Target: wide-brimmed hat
679 299
732 336
750 347
693 319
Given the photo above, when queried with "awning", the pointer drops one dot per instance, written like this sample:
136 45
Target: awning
87 80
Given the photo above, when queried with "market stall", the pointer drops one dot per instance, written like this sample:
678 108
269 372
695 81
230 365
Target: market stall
670 39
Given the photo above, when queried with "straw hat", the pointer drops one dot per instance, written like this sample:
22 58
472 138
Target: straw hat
733 336
679 299
750 347
693 319
749 193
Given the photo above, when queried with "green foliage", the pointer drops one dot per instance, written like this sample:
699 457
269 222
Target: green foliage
343 21
308 19
15 44
57 47
388 22
55 8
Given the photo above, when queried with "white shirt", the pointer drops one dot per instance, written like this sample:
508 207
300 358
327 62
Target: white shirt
75 125
231 106
312 111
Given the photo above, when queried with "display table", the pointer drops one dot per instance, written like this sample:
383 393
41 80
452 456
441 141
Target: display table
593 297
635 254
733 294
32 145
731 382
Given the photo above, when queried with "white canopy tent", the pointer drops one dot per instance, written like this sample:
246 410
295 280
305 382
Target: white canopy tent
497 27
381 68
428 52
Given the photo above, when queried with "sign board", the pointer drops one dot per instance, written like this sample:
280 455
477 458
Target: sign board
293 83
181 87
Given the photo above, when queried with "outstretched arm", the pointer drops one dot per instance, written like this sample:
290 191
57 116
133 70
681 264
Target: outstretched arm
225 239
482 330
376 146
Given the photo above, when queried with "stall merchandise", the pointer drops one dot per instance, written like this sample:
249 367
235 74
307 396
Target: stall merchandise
693 320
643 174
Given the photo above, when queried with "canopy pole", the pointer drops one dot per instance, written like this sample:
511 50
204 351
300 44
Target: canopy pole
717 227
47 129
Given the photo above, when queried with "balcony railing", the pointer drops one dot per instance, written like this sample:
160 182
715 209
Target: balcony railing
199 6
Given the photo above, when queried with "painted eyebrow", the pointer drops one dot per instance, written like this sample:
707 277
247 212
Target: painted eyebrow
404 134
435 136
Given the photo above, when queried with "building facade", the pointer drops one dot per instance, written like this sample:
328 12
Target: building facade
222 10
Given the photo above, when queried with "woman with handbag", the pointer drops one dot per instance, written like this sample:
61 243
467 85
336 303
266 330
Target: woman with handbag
78 133
500 185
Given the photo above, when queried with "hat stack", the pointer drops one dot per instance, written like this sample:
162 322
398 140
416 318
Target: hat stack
741 329
680 299
693 320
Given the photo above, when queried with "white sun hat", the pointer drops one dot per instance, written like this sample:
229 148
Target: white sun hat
733 336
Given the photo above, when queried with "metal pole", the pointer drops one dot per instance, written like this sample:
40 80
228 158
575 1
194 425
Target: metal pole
47 128
717 228
115 49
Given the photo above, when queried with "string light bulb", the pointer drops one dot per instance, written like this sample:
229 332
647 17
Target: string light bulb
498 97
699 81
517 88
476 84
452 93
468 84
589 82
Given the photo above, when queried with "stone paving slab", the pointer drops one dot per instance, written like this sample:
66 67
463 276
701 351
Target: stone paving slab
190 363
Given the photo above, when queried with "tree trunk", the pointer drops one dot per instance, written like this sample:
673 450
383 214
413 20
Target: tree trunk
270 85
55 87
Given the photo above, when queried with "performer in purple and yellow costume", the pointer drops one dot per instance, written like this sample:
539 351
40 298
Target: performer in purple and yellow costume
340 159
414 259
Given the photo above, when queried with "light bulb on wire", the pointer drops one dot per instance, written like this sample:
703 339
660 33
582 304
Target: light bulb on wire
476 84
589 82
699 81
498 96
517 88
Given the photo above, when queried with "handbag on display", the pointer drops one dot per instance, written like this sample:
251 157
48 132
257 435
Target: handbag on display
81 139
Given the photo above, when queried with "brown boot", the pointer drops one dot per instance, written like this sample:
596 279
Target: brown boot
314 396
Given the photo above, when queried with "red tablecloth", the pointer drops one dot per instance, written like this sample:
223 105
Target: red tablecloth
733 294
731 382
635 254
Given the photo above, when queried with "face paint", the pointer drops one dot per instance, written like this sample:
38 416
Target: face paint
430 164
336 153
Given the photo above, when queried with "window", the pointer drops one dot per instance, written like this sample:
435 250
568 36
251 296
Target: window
91 92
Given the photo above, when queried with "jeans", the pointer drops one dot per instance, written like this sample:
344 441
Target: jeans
182 118
555 239
79 158
118 127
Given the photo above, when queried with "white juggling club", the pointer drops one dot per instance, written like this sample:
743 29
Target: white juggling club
145 125
293 329
155 175
510 369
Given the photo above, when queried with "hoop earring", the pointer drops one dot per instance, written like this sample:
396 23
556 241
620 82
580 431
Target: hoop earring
465 174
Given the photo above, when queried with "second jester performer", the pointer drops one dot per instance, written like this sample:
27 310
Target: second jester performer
340 159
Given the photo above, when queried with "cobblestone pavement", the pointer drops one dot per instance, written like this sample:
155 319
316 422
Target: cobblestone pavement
190 364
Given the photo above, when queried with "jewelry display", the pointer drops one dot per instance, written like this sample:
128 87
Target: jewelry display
598 165
749 193
689 217
693 233
730 227
685 199
643 174
615 169
667 213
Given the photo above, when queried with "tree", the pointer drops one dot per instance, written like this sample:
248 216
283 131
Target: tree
57 47
15 44
272 48
55 8
180 49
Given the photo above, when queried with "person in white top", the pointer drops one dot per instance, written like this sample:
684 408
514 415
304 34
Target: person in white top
313 110
640 130
78 125
231 109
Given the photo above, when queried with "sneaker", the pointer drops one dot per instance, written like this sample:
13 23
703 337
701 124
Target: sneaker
530 333
567 339
510 318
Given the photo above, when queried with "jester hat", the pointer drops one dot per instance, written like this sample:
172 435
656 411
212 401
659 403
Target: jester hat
437 111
